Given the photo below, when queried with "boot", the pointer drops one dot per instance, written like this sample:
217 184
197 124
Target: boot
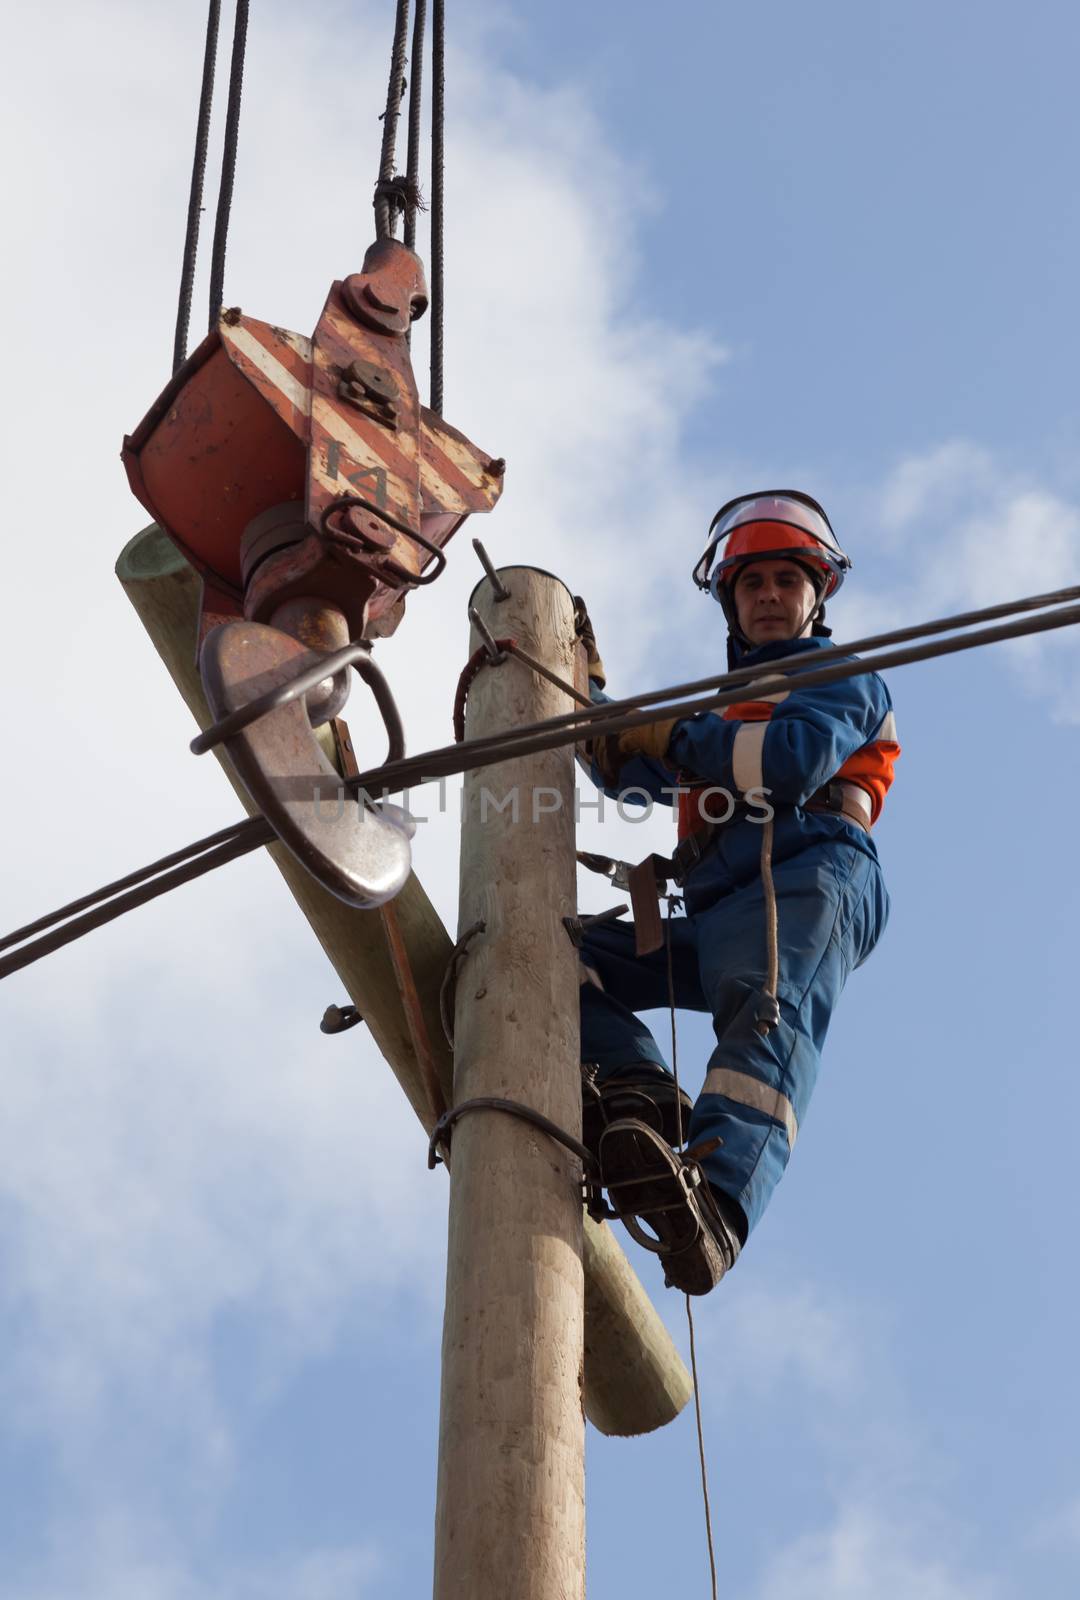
648 1099
651 1187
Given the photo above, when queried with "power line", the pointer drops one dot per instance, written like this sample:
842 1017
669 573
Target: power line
611 717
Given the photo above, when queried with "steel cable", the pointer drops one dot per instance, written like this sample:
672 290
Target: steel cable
198 178
385 210
805 662
412 160
228 162
230 843
438 155
615 717
611 717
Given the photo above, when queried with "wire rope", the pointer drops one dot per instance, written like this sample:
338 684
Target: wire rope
416 95
438 159
198 178
228 162
386 197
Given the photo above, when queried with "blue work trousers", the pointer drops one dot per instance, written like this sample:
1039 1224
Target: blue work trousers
832 908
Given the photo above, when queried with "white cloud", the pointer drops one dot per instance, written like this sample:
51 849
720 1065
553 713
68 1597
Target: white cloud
115 1557
953 530
869 1552
179 1143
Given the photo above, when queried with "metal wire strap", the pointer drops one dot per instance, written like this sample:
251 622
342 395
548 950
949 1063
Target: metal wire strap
441 1134
228 162
448 987
198 177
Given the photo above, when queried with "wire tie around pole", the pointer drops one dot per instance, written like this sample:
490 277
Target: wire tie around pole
448 987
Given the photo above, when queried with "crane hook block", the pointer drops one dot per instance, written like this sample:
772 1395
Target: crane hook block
325 440
355 849
308 486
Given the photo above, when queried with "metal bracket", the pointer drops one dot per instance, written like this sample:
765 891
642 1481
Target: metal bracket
576 926
339 1019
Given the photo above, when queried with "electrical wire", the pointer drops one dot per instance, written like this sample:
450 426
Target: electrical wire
195 860
616 716
556 732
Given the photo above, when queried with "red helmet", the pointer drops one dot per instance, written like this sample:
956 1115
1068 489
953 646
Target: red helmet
777 525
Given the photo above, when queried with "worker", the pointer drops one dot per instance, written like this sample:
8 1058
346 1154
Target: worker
818 762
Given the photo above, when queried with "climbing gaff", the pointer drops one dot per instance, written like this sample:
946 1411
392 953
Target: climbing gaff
312 491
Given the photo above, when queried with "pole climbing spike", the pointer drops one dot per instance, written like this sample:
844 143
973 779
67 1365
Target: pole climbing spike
309 487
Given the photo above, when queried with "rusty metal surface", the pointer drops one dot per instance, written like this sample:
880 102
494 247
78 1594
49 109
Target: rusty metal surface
354 852
260 417
414 1010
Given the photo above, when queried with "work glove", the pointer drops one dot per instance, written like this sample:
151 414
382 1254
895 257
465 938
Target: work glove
610 753
651 739
584 629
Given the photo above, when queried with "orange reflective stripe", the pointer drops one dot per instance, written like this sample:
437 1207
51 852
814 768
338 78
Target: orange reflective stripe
748 711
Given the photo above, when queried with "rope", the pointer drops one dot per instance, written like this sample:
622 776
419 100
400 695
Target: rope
689 1308
198 176
228 162
438 278
416 83
769 1010
385 214
610 717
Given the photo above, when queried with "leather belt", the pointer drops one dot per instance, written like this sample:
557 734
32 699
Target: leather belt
849 800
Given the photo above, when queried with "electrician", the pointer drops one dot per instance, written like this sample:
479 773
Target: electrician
819 762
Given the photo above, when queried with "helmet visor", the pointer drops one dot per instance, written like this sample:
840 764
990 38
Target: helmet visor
787 508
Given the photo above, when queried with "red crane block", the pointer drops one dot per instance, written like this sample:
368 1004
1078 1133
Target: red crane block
286 466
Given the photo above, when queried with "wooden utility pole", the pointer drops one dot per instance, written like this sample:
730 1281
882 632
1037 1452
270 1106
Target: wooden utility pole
510 1518
635 1380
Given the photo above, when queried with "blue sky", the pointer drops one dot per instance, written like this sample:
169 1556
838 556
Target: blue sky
689 254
